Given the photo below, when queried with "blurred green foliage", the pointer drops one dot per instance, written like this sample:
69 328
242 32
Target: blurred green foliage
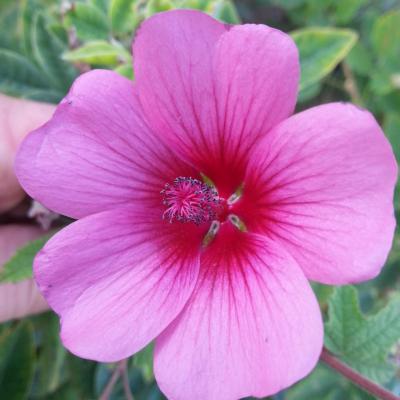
19 266
349 51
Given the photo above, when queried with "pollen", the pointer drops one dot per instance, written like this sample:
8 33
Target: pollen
190 200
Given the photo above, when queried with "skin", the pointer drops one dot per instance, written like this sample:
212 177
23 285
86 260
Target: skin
17 118
21 299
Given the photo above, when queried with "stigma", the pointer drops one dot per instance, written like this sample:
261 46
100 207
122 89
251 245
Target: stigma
190 200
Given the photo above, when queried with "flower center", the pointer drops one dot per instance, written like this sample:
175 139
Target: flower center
190 200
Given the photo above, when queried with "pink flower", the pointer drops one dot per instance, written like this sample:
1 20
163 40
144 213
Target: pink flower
23 298
218 278
17 118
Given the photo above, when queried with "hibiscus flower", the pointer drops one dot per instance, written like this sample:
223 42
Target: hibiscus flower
204 207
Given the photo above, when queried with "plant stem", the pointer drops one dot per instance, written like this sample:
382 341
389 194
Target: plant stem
351 85
125 381
355 377
113 380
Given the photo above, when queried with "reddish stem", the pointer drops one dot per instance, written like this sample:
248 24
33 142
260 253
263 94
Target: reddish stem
118 371
355 377
127 387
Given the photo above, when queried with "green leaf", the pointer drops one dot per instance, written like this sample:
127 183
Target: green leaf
323 293
391 126
46 95
322 384
10 35
325 384
364 343
81 376
65 392
89 21
311 13
19 267
321 50
144 361
50 355
289 4
21 78
16 362
17 73
125 70
390 102
101 5
309 92
47 50
122 15
204 5
29 9
225 11
359 60
385 39
98 53
155 6
380 82
346 10
60 32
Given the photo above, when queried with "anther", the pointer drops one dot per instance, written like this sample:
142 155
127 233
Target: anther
212 232
237 222
236 196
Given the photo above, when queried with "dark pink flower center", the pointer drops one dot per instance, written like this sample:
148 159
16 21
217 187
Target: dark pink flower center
190 200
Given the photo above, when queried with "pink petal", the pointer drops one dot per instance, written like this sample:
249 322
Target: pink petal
117 279
322 183
251 327
21 299
17 118
97 152
211 92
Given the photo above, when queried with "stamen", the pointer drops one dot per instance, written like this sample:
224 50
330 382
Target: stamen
235 196
207 180
212 232
190 200
237 222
